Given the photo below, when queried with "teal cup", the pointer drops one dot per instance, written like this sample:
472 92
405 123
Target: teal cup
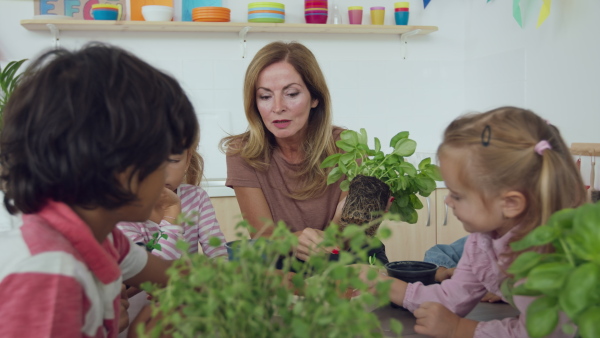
401 18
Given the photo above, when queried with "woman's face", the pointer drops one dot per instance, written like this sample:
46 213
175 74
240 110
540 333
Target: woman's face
284 102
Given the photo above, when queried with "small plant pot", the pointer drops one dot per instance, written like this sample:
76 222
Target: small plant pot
366 201
412 272
233 248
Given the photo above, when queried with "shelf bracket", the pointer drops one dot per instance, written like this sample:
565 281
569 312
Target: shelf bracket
242 34
404 41
55 35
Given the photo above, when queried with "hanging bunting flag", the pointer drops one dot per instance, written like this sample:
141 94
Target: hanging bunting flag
517 12
425 3
489 0
544 12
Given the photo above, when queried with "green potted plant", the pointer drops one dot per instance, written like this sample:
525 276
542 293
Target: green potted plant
372 177
565 280
249 297
8 81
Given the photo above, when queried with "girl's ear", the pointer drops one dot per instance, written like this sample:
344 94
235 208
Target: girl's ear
514 204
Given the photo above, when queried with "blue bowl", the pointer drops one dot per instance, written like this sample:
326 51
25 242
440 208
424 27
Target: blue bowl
401 18
104 14
265 15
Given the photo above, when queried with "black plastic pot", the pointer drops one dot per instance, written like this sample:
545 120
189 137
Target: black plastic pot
411 272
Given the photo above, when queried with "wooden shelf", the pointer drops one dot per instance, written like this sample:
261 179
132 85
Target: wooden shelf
172 26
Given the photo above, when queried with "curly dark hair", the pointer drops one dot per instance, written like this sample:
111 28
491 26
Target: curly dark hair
79 118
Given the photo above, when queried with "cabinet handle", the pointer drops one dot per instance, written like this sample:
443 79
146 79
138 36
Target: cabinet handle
446 211
428 212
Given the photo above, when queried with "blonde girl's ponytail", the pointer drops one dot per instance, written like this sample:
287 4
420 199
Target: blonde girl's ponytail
195 170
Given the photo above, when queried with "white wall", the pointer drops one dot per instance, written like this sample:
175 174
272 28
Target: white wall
553 70
371 85
479 59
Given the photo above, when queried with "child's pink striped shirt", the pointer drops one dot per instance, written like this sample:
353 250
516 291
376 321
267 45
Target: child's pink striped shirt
196 205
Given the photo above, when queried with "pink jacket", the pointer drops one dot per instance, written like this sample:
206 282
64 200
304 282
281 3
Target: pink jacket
478 272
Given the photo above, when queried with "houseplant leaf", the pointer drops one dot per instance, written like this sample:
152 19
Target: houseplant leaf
542 317
331 160
401 135
548 277
581 289
588 323
405 147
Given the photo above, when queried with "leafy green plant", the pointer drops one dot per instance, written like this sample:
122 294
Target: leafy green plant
8 81
402 178
566 280
153 243
250 297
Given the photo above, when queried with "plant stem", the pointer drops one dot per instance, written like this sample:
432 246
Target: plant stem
567 252
377 166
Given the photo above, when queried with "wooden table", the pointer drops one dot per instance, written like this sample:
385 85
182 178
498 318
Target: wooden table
482 312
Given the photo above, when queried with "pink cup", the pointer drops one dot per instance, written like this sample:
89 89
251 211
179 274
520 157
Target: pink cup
355 16
316 18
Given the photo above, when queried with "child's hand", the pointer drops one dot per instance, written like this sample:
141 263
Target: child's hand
364 272
443 273
435 320
168 205
491 298
124 305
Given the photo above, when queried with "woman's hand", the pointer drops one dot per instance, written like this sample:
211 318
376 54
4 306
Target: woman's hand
308 243
435 320
168 205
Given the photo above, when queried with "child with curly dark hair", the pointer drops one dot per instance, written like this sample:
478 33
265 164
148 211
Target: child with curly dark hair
85 144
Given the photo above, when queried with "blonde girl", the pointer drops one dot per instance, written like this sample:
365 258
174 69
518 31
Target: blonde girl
507 171
176 198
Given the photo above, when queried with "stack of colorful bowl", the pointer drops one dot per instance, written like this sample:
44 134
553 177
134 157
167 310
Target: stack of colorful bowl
106 12
273 12
211 14
315 11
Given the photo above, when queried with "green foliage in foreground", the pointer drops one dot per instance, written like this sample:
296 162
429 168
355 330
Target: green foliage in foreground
249 297
404 180
566 280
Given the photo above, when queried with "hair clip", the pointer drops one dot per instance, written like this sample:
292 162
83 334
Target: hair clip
541 146
486 135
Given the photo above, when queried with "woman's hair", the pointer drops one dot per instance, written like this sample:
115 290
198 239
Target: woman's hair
194 172
256 145
501 156
78 119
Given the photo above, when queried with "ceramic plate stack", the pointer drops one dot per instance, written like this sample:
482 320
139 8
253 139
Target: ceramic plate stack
211 14
273 12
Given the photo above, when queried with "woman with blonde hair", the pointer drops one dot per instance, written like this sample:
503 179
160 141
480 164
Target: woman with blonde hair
274 167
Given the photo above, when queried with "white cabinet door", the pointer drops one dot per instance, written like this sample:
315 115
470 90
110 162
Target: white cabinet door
410 241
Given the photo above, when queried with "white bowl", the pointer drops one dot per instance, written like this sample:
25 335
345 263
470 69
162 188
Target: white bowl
157 13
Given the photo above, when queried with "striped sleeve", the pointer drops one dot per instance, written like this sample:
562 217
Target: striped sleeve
42 304
208 227
133 231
